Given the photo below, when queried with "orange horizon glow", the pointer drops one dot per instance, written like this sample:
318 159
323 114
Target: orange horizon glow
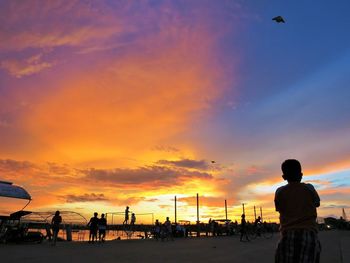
109 103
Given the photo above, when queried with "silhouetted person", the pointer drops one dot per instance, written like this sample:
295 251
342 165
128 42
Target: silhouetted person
93 224
243 229
48 231
55 223
257 225
126 217
296 202
133 219
102 226
157 229
168 229
212 227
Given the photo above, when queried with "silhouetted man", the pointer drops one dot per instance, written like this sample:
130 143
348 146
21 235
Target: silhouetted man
243 229
102 226
126 217
93 224
296 202
55 223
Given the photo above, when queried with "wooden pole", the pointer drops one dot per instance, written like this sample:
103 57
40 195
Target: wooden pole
226 209
198 230
243 208
261 217
175 211
254 213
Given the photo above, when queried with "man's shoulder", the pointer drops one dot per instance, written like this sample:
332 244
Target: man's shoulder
280 189
309 186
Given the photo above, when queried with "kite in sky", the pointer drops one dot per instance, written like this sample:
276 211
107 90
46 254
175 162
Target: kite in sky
278 19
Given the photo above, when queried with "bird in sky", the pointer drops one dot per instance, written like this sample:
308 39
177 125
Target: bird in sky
279 19
213 162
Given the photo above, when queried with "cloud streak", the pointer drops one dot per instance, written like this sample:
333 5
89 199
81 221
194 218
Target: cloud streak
150 176
187 163
85 198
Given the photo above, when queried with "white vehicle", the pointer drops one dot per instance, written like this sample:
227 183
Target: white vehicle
10 227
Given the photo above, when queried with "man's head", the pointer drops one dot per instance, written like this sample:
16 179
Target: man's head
291 169
95 214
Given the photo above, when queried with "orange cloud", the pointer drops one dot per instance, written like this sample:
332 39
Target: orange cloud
126 106
51 27
20 68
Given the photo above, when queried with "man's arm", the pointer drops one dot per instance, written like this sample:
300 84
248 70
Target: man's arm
314 193
277 199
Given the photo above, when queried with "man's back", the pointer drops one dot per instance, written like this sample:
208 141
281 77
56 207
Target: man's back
297 204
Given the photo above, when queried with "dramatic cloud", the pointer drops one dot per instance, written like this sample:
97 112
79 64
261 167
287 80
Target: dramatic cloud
187 163
127 102
164 148
20 68
8 165
150 176
85 198
54 24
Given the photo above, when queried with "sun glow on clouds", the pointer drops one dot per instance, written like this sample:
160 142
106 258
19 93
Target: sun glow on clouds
123 89
103 103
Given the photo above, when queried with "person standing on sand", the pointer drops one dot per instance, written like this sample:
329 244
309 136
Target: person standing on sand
55 223
257 226
93 224
243 229
157 228
296 202
133 219
102 226
126 218
168 229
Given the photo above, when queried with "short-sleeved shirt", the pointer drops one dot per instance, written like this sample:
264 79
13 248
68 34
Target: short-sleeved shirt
102 224
296 202
94 223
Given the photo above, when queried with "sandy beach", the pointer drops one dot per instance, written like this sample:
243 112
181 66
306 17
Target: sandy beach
335 248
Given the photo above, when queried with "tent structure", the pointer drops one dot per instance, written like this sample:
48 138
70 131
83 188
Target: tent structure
68 217
8 189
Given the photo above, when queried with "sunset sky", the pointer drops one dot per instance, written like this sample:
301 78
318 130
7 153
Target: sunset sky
105 104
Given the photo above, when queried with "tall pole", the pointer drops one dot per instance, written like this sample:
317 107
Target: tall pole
254 213
261 214
175 211
243 208
197 216
197 208
226 209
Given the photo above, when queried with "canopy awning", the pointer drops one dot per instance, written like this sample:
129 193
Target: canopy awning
7 189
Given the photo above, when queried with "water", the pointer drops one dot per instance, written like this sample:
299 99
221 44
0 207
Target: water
83 235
